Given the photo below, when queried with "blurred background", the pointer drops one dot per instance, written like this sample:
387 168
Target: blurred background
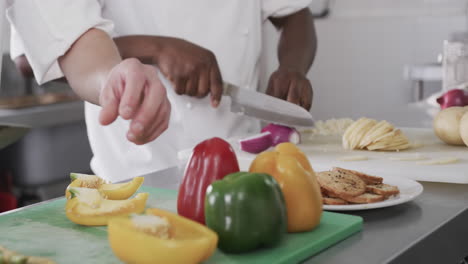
376 58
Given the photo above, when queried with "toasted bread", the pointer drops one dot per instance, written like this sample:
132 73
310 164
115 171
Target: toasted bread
383 189
366 198
369 179
333 201
323 191
342 184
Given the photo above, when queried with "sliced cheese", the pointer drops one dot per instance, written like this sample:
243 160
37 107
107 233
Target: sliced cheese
381 128
369 134
359 132
347 134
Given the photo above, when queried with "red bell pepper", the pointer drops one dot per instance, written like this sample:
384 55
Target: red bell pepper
211 160
7 200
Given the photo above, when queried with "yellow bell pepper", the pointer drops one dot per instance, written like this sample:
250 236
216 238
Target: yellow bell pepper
121 191
189 241
87 207
111 191
292 170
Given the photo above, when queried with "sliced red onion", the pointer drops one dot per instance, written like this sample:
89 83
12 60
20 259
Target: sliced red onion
257 143
281 134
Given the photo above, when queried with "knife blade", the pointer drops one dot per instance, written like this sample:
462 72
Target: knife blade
266 107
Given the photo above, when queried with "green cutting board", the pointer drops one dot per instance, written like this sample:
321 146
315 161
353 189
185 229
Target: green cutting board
44 230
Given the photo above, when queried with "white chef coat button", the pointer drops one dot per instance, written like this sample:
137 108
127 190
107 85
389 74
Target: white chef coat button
247 87
245 31
189 105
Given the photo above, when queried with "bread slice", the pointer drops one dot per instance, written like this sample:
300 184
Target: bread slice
323 191
366 198
383 189
333 201
341 183
369 179
331 198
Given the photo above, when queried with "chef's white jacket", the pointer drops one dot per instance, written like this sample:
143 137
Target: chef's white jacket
44 30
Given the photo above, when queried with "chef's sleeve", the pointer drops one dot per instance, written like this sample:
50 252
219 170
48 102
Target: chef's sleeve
44 30
16 46
280 8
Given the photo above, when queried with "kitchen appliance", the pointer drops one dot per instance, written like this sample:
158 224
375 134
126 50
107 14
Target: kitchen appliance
455 64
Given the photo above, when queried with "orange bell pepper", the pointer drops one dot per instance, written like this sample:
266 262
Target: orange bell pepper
292 170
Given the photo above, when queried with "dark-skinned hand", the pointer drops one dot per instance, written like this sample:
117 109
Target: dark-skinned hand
291 85
192 69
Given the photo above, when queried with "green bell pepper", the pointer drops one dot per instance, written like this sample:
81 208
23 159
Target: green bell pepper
246 210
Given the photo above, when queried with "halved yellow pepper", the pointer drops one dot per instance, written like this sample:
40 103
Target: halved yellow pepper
121 191
92 210
116 191
189 242
292 170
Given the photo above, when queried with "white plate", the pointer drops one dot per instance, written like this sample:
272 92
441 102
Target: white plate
409 190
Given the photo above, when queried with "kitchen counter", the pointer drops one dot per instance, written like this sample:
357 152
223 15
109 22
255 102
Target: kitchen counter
430 229
51 130
44 116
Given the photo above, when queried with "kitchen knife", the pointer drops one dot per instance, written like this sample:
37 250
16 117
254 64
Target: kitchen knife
267 108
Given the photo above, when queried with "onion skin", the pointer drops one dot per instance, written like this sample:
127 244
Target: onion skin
257 143
281 134
454 97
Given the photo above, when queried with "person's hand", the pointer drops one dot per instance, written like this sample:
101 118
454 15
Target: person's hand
292 86
134 91
192 69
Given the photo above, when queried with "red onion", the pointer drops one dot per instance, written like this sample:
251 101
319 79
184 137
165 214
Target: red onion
454 97
282 134
257 143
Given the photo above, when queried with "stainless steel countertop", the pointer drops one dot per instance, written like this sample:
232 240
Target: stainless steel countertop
44 116
430 229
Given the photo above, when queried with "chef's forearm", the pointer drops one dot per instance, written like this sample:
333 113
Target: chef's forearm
144 48
88 62
298 41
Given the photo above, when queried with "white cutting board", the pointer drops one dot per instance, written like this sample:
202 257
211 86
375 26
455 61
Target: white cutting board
324 153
